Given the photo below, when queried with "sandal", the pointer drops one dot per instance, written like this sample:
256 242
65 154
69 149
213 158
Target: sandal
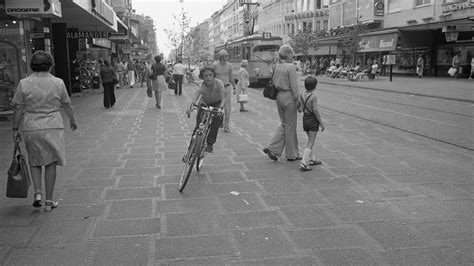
49 205
315 162
305 168
37 196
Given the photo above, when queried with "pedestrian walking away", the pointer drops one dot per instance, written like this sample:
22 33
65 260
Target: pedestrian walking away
285 79
108 77
242 85
456 64
308 105
131 73
212 93
178 73
472 69
120 70
38 99
158 82
224 73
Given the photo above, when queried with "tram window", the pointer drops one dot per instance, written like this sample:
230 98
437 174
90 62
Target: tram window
246 52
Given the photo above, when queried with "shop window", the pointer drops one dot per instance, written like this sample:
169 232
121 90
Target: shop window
422 2
394 5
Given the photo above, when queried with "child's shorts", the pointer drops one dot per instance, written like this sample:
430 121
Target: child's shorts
310 123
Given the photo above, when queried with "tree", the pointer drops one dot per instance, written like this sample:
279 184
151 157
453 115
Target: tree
194 44
351 39
177 31
304 40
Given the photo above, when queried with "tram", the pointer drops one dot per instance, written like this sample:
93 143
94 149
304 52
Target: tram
260 50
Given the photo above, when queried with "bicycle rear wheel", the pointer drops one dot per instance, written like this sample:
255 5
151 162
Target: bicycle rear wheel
195 150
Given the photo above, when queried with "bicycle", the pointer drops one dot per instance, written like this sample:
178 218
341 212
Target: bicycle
196 151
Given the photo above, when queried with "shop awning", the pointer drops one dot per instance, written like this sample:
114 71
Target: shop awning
80 17
384 41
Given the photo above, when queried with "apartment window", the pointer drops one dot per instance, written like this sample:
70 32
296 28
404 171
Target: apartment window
318 4
422 2
325 25
318 26
394 5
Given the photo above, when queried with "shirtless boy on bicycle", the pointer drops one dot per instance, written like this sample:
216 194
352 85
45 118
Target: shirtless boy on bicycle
212 93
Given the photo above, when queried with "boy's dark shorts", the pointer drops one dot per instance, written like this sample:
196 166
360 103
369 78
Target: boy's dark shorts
310 123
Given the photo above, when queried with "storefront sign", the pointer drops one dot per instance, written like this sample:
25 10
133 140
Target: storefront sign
458 27
118 36
387 42
102 10
87 34
9 32
33 7
101 42
457 6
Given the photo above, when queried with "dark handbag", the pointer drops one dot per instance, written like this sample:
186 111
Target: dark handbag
115 81
153 75
172 85
18 174
270 91
149 89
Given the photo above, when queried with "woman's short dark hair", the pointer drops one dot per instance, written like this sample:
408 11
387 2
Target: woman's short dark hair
41 61
208 67
106 62
157 58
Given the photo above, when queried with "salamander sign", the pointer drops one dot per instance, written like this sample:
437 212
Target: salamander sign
87 34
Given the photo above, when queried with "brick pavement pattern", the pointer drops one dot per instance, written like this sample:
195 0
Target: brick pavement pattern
381 197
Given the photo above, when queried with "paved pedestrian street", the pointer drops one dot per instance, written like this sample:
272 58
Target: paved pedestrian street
381 196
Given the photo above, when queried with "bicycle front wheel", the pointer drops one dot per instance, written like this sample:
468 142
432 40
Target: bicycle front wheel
195 151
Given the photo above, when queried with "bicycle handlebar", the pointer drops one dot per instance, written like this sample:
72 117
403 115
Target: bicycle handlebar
205 107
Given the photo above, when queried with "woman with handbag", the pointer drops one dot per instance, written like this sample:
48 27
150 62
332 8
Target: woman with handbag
38 100
285 80
242 85
157 78
109 80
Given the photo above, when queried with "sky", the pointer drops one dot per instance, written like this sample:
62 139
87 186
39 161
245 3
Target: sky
161 11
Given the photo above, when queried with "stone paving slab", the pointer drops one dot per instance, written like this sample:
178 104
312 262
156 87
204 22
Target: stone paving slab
381 197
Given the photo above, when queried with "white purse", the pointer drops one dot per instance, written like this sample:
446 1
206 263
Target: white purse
243 97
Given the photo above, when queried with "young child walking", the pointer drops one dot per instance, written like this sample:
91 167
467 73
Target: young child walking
308 104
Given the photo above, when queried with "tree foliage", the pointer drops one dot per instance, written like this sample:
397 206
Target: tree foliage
178 30
303 41
194 44
352 38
